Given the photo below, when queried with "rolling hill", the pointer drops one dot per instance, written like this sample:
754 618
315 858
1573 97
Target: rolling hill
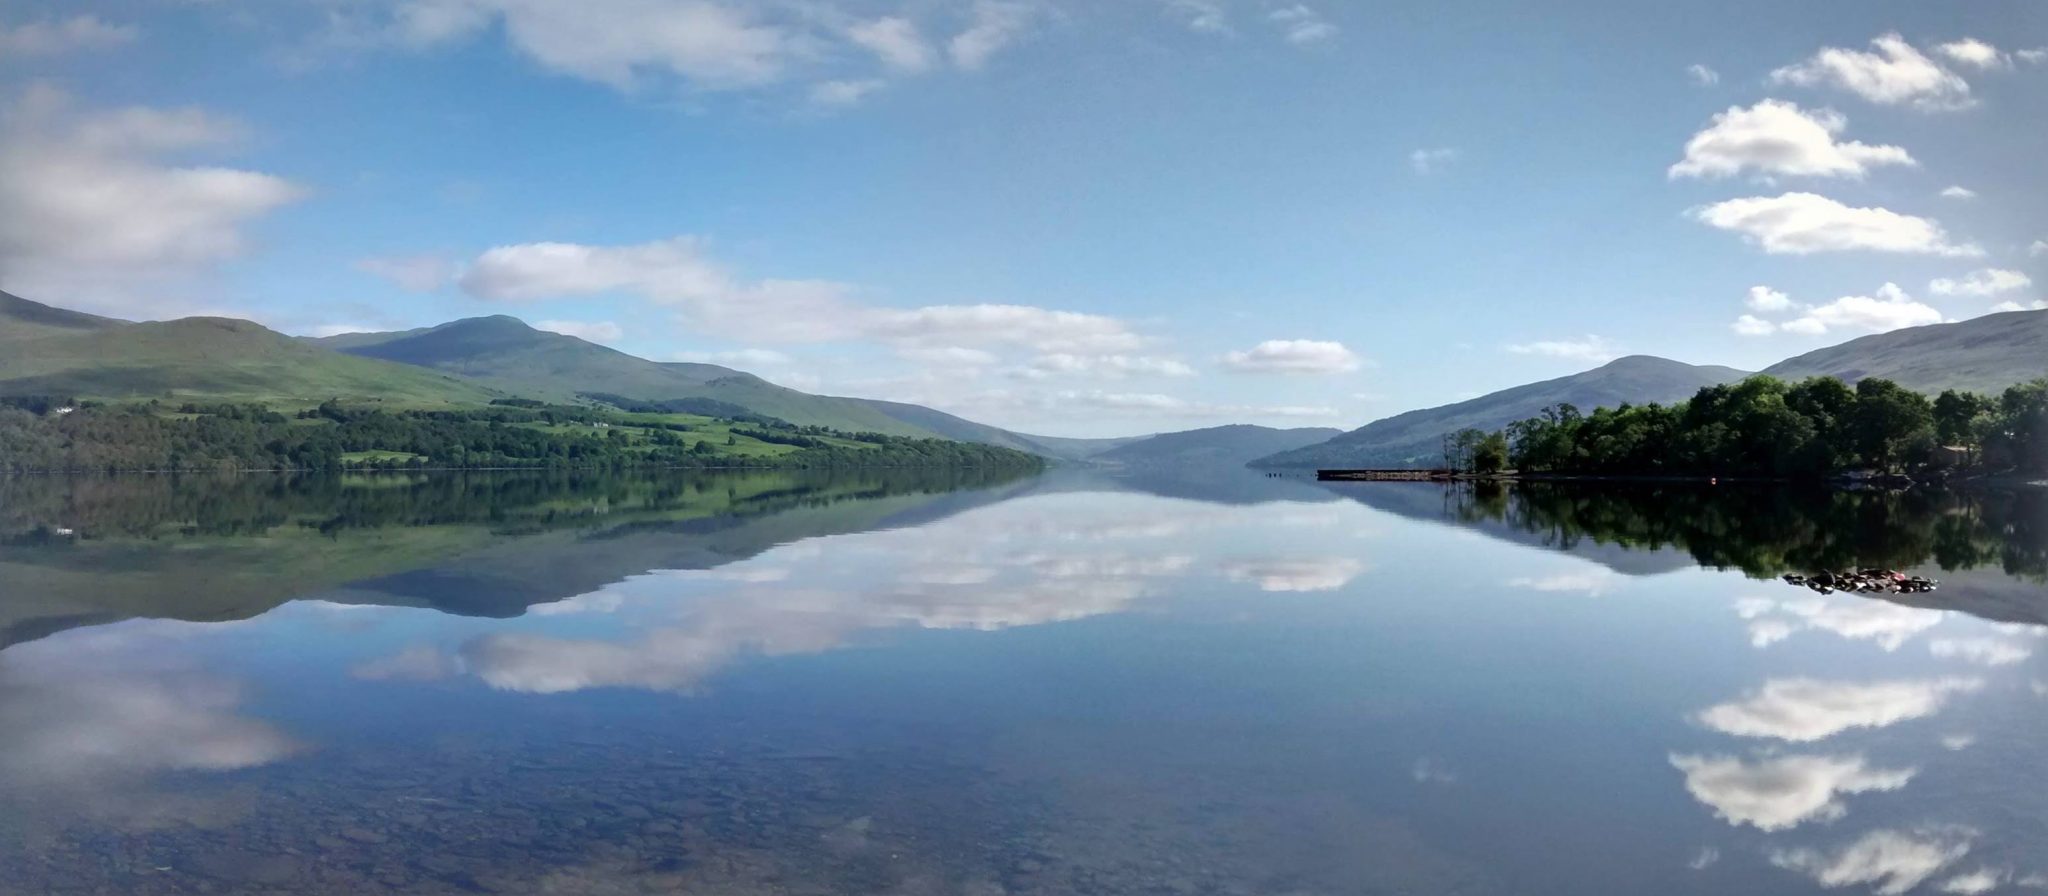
1415 439
50 351
1235 445
1984 354
505 353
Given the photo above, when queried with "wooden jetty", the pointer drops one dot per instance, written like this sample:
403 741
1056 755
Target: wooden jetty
1385 475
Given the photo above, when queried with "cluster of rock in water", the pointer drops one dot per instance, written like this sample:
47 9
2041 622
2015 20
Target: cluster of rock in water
1864 581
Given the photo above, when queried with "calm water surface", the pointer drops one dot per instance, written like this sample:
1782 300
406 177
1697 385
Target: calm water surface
895 684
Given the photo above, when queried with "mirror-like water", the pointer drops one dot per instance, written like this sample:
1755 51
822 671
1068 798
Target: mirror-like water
900 683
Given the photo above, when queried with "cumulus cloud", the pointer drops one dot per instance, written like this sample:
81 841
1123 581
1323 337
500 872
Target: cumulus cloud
2035 305
1294 356
1278 574
996 24
1301 25
1782 792
1892 73
1702 76
1974 53
1981 651
413 273
91 211
678 273
589 331
844 92
1431 161
1885 624
56 37
1890 309
1890 862
618 42
1958 192
1982 880
1987 282
742 358
897 42
1775 137
1805 223
1591 349
1801 710
1591 582
1207 16
1766 299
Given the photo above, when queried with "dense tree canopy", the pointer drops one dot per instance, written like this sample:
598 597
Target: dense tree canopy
1765 427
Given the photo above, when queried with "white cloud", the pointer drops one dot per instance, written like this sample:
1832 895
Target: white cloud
1885 624
947 355
996 25
589 331
1431 161
1987 282
1958 192
1891 862
1895 74
897 42
1775 137
1766 299
1702 76
2034 56
1592 582
413 273
1981 651
1279 574
51 38
742 358
1152 403
1982 880
1591 349
1302 25
1890 309
1805 223
1782 792
1751 325
843 93
677 273
89 729
92 212
1954 742
2038 247
1201 15
1294 356
618 42
1107 366
2035 305
1974 53
1804 709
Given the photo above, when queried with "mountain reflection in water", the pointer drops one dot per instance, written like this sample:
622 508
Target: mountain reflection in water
1208 682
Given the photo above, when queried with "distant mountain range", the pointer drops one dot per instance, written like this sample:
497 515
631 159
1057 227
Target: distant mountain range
48 350
1415 439
1233 445
1984 354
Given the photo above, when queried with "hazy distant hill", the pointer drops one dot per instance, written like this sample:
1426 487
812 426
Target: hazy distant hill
1415 439
1236 444
506 353
1984 354
45 350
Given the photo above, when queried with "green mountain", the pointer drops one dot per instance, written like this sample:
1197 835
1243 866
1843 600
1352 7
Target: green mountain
957 428
1234 445
505 353
1984 354
51 351
1415 439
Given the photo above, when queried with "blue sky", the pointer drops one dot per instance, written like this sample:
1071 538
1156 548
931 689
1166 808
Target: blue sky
1071 218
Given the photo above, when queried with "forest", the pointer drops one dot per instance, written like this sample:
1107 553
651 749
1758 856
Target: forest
47 433
1763 427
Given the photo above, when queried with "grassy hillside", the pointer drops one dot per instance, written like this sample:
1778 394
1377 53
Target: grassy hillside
959 428
1414 439
1237 444
1985 354
56 352
507 354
